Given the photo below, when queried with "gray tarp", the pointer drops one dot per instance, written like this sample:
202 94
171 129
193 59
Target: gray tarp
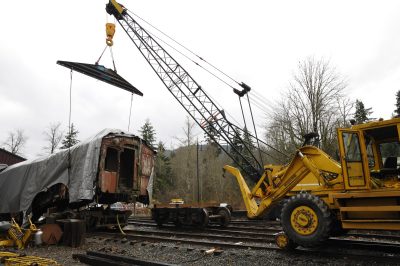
150 185
20 183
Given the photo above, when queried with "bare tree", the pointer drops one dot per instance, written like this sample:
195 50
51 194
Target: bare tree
346 107
314 102
53 136
188 130
16 141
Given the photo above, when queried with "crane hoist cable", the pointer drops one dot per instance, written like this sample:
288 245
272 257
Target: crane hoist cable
255 130
202 67
130 113
241 108
261 105
246 88
156 45
196 63
190 59
110 31
184 47
69 124
258 95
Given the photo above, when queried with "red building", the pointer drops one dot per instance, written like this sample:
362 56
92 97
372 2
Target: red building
9 158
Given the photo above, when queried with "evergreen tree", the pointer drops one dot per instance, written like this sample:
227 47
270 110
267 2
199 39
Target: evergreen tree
148 133
163 171
238 148
361 114
397 110
211 133
71 138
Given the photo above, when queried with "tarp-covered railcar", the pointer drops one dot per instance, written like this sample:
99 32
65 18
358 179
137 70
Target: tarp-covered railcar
111 166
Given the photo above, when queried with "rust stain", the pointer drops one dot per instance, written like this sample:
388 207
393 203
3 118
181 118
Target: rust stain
108 182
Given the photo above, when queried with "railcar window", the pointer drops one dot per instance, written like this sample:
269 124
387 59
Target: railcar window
111 163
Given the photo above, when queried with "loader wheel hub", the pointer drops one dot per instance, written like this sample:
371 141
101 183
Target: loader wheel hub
304 220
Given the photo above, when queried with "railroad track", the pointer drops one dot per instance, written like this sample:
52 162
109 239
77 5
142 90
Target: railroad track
355 250
261 227
217 227
258 236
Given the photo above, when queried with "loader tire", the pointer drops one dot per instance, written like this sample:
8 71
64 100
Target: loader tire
306 220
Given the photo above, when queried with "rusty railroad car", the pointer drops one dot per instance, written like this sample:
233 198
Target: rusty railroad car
82 181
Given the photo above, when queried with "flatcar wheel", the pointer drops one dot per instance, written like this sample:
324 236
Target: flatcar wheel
159 219
204 218
225 216
177 222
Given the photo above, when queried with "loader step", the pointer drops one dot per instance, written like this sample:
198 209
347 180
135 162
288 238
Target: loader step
371 209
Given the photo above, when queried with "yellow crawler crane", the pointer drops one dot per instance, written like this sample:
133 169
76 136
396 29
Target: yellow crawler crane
323 197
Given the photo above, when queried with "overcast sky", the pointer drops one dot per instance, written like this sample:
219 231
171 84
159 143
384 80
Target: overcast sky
257 42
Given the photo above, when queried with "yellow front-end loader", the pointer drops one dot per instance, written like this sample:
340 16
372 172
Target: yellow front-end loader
322 197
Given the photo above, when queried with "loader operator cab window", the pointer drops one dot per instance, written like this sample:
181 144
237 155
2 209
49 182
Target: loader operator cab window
385 141
390 154
370 152
353 159
352 147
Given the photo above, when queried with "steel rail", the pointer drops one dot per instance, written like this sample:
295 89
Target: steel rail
329 252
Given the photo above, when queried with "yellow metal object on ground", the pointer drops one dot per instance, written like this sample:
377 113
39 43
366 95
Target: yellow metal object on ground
110 31
6 243
5 255
17 236
282 241
30 260
304 220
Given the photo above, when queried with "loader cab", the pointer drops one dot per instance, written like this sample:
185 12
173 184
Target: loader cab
370 154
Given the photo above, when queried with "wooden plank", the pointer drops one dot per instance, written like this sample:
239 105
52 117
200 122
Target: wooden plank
126 259
97 261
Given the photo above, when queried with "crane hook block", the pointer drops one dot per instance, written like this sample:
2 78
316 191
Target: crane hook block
110 30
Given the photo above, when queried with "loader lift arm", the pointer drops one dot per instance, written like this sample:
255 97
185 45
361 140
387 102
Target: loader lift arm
189 93
308 160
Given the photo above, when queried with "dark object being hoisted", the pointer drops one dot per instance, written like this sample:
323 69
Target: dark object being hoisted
101 73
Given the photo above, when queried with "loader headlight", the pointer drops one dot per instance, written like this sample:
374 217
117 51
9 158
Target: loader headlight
329 176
